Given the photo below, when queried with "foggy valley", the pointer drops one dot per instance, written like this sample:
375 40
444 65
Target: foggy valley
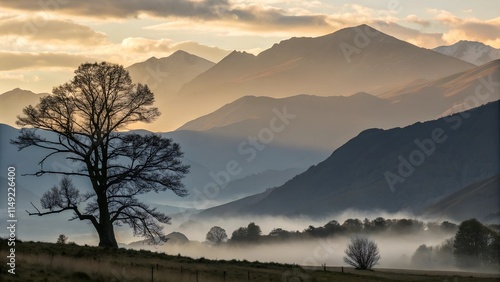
249 140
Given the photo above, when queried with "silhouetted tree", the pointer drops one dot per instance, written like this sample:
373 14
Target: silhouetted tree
239 235
85 117
379 224
253 232
333 227
279 233
422 257
62 239
494 250
353 225
471 243
439 256
362 253
443 254
447 226
216 235
406 226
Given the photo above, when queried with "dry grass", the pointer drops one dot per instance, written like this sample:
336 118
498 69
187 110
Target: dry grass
53 262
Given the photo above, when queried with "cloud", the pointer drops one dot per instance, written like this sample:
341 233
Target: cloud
202 9
417 20
12 76
486 31
413 36
50 31
254 16
23 60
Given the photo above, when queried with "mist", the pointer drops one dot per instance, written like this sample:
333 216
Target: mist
396 250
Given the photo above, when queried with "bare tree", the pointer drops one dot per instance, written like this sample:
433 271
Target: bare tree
62 239
86 118
362 253
216 235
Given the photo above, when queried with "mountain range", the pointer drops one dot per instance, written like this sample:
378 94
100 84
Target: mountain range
350 60
369 98
393 170
345 62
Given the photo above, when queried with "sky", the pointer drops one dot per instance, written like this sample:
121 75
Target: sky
42 42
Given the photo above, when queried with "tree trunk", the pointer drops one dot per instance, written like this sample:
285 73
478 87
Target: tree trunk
107 236
106 230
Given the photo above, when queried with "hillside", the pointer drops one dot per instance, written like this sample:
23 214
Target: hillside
69 262
472 52
355 176
451 94
306 115
479 200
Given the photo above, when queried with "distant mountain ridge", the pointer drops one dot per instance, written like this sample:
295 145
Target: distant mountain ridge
473 52
13 102
168 74
355 176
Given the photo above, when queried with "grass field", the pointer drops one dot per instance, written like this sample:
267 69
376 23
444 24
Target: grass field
57 262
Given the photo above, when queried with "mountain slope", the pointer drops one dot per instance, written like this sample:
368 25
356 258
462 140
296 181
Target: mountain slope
473 52
451 94
479 200
354 176
331 120
13 102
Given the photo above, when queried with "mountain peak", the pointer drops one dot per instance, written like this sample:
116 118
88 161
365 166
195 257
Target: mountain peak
473 52
181 53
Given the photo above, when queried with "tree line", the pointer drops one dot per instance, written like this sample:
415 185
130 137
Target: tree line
252 232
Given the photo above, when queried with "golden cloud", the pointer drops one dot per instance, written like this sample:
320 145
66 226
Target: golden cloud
23 60
50 31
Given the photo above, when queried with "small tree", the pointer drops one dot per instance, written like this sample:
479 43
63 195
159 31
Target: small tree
62 239
362 253
216 236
